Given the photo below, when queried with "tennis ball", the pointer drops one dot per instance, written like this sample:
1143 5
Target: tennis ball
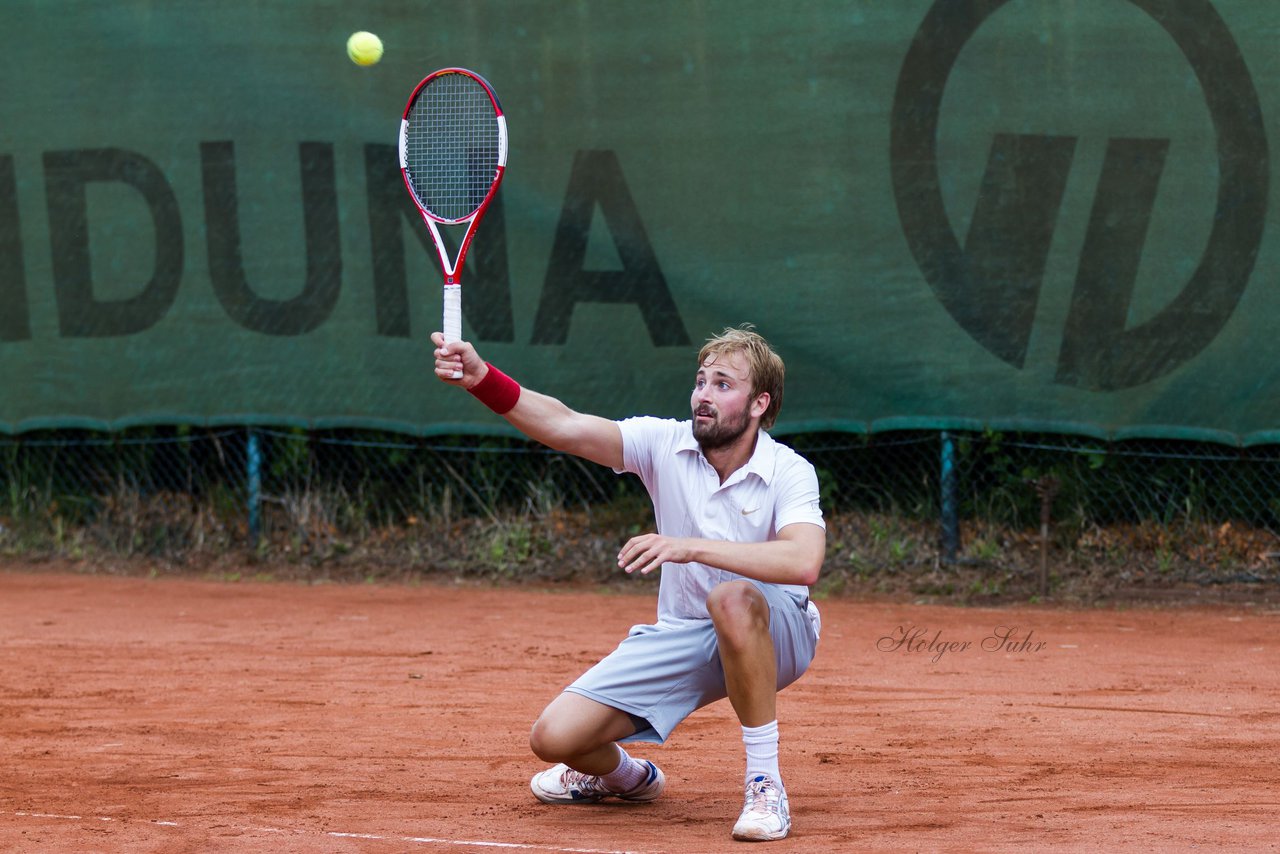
364 48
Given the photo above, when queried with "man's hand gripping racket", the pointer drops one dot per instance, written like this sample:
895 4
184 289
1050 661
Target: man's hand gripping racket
457 362
453 153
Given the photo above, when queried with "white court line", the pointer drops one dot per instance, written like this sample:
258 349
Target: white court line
427 840
420 840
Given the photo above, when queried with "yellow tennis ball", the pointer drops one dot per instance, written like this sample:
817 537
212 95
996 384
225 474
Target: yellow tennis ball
364 48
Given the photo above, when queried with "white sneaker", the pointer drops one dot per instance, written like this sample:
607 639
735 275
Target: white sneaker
560 784
766 815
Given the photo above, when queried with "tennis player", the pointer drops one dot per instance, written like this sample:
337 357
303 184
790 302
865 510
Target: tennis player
740 536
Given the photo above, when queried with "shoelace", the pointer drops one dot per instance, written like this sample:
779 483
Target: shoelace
585 783
762 796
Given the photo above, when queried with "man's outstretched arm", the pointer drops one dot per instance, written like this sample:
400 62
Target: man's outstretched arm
539 416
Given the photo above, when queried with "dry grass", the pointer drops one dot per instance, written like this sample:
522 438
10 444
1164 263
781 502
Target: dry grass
321 538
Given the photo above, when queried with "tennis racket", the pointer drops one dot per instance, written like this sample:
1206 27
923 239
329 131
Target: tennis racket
453 152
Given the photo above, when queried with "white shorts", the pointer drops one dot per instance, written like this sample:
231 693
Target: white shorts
660 674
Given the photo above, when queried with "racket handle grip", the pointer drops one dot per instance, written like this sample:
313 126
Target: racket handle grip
453 317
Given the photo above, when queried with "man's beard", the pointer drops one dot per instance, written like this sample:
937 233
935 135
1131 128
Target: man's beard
717 434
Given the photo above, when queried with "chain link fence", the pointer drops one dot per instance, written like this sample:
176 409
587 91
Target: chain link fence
976 515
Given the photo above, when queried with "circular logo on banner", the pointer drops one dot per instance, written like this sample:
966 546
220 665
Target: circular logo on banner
991 284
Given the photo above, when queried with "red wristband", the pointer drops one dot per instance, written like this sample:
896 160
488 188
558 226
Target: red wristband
497 391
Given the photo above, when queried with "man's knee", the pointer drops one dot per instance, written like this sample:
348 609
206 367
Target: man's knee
572 726
552 741
738 607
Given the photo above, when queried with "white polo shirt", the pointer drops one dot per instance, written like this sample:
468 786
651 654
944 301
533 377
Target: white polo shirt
776 488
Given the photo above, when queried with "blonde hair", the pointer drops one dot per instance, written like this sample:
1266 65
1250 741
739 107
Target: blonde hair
765 366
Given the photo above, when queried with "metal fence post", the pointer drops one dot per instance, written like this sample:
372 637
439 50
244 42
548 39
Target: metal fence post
950 514
254 456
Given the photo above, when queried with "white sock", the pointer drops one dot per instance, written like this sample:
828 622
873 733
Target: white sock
762 751
629 774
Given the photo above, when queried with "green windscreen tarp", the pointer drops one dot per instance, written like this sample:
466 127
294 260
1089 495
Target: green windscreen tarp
1034 214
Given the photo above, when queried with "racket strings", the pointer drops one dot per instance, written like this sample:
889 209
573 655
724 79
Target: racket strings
451 146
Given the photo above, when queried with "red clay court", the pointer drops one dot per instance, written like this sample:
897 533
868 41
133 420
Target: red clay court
175 715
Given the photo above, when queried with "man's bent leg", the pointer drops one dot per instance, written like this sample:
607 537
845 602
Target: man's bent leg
740 614
580 733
